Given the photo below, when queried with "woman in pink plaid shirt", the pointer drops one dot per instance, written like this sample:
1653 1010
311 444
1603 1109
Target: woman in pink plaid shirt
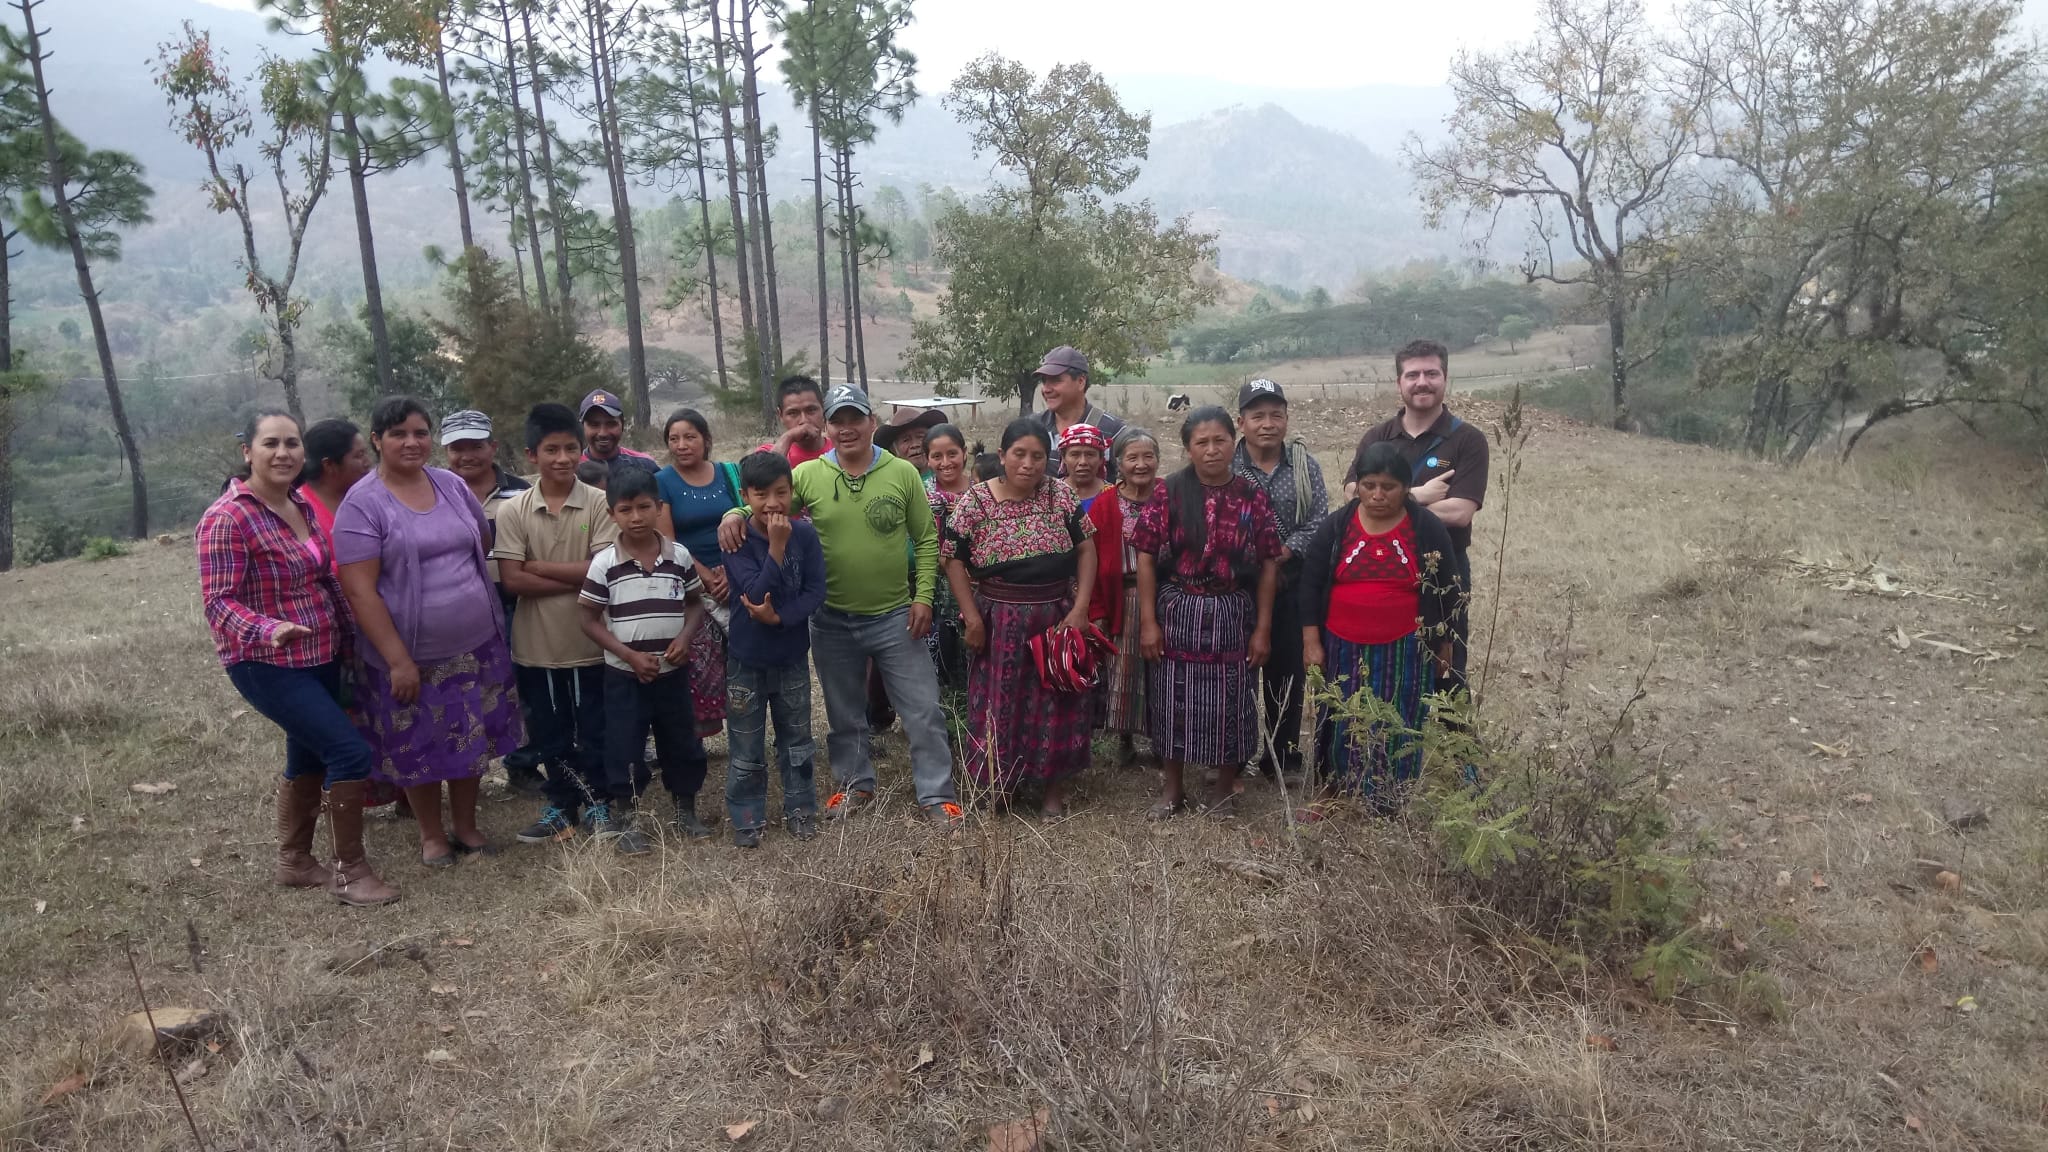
280 624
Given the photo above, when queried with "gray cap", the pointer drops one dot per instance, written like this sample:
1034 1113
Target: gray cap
847 396
1254 391
1061 361
468 424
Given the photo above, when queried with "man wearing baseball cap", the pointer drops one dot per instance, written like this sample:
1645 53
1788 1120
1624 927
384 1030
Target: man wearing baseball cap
1063 384
604 430
870 510
1293 484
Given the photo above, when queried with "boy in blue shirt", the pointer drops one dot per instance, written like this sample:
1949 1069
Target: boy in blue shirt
777 580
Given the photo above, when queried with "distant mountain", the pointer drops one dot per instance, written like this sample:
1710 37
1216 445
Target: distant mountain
1379 115
1290 203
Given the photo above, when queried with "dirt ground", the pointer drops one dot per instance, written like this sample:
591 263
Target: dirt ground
1839 660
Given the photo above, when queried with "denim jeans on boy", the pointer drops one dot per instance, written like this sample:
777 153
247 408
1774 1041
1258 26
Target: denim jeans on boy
631 710
565 727
319 738
752 696
843 644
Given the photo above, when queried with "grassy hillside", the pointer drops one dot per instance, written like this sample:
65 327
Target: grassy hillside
1830 658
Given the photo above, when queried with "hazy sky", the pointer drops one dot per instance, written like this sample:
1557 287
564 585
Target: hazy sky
1278 43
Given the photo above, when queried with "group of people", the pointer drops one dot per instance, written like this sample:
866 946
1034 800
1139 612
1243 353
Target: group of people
407 625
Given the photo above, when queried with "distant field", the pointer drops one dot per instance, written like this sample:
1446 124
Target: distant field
1832 656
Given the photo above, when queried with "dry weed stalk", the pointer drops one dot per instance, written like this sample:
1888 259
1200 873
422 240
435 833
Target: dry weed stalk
156 1043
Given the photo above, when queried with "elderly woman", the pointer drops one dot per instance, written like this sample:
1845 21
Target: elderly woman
1378 593
1136 452
695 493
435 701
1208 563
1023 541
281 627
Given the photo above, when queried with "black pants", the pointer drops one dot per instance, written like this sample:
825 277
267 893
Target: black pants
565 728
662 705
1281 682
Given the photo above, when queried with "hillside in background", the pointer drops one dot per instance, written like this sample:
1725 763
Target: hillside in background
1299 184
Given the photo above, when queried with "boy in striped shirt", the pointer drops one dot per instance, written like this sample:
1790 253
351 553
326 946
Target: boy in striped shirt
642 603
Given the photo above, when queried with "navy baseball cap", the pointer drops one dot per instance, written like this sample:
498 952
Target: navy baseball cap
1254 391
599 398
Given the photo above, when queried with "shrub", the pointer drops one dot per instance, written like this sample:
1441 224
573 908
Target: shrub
103 548
47 541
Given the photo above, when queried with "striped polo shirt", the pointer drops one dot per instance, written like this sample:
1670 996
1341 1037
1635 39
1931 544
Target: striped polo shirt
643 607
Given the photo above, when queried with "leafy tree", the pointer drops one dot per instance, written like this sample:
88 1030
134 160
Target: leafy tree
1258 306
1515 328
1049 260
209 110
509 356
1588 130
418 366
1316 298
92 194
1875 159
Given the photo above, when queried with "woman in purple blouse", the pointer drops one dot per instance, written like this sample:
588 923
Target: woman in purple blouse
435 700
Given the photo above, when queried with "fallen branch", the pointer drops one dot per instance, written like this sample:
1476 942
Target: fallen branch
157 1042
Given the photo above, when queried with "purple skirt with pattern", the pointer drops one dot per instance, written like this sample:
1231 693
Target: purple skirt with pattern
466 713
1017 728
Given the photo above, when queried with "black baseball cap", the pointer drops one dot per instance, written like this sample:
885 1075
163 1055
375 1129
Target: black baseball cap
1254 391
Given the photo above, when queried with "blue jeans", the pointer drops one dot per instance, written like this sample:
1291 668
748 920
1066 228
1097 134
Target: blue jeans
752 695
564 710
843 644
319 738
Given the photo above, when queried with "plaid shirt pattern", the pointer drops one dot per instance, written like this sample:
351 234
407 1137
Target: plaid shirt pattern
255 576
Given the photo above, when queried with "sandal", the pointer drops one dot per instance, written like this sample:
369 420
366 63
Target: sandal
1167 809
1222 808
485 849
445 860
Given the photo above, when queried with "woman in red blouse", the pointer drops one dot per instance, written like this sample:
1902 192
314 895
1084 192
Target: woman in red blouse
1377 595
279 622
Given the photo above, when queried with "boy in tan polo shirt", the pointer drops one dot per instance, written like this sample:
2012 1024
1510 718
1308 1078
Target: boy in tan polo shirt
546 536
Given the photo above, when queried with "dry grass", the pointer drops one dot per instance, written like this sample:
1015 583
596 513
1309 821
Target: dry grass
1105 970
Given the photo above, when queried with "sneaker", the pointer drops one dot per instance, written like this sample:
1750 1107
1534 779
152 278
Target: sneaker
844 804
746 837
554 824
598 821
689 825
633 842
802 825
945 816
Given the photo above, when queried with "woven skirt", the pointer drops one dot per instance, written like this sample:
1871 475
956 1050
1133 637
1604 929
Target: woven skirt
707 676
1363 759
1199 706
1017 728
1122 694
465 714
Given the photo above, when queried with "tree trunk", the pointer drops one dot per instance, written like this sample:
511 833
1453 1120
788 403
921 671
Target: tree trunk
764 365
540 279
6 403
1026 389
454 155
560 231
366 247
845 262
818 206
764 208
606 92
53 156
732 189
704 211
288 370
1617 327
860 337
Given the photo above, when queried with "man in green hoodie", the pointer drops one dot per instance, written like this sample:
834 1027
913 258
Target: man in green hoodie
870 510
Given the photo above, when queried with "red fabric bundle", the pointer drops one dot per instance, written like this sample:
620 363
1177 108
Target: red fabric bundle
1106 602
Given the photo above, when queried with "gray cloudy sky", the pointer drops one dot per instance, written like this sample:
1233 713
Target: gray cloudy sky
1277 43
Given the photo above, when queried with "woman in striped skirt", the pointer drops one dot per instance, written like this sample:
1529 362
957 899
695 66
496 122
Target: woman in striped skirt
1030 554
1208 561
1136 453
1377 596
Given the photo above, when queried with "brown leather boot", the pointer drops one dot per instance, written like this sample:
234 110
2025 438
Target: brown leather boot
298 810
353 882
